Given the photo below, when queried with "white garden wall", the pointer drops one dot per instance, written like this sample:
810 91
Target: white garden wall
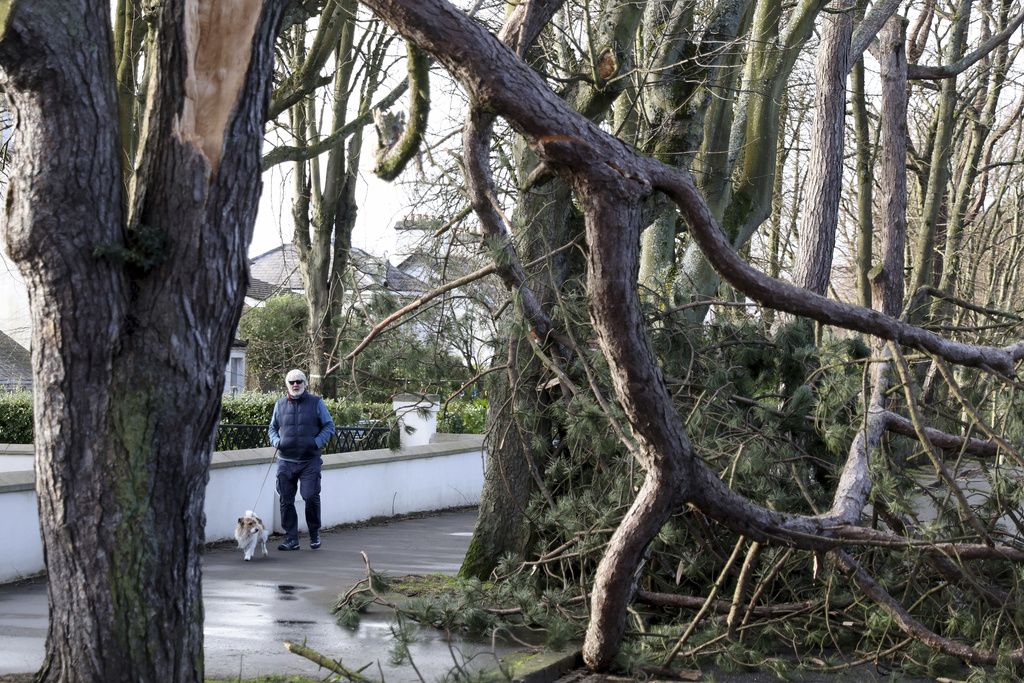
356 487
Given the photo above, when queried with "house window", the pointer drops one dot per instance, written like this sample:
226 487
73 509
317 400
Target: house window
236 376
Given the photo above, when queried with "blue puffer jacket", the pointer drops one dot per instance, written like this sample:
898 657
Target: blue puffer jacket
300 427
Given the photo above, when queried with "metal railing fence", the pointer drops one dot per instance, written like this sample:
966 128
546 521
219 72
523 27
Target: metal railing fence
345 439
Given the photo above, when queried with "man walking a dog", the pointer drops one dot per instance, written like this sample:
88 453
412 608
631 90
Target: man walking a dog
299 428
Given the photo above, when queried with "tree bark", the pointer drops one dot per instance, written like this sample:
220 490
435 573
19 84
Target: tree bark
134 306
745 203
813 268
327 214
936 191
865 191
513 471
887 275
992 77
657 254
502 525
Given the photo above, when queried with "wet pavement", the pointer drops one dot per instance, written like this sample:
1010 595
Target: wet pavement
252 607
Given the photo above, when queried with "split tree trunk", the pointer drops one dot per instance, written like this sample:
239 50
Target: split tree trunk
134 306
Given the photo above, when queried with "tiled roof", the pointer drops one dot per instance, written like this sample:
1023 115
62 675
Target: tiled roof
15 362
402 282
276 271
258 289
435 270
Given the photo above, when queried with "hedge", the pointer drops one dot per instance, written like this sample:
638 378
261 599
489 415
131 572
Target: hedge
16 416
251 408
464 417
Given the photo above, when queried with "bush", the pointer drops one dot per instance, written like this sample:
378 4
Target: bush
276 333
16 417
248 408
255 408
465 417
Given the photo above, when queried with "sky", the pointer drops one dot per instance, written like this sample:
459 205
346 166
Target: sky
381 204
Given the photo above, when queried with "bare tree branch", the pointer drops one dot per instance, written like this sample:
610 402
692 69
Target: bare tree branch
914 628
933 73
405 310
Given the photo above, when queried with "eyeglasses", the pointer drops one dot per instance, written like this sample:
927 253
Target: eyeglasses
294 382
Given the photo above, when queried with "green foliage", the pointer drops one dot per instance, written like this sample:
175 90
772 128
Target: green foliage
145 248
774 416
428 353
403 634
16 417
254 408
464 417
275 333
347 615
248 408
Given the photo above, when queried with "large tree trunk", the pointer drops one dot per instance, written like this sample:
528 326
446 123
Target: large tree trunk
502 525
134 307
513 469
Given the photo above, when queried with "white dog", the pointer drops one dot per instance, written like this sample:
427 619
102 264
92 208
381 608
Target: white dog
250 532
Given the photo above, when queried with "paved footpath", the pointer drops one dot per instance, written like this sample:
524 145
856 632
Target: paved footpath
251 607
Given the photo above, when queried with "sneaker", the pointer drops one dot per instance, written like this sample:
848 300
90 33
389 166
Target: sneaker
290 544
314 541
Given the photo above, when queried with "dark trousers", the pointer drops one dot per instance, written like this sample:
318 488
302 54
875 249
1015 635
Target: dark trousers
303 477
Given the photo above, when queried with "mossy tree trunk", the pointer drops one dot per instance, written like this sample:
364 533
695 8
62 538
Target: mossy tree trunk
517 403
934 204
135 296
502 525
737 164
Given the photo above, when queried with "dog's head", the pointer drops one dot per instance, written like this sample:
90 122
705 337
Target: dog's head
250 525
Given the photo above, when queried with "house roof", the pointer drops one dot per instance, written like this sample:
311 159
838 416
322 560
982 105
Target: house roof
277 271
274 272
423 266
15 363
399 281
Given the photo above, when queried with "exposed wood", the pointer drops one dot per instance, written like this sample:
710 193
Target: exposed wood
135 299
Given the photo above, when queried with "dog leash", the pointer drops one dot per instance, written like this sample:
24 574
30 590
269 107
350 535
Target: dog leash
265 477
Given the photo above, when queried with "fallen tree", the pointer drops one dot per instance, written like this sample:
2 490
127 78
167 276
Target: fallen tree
611 184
